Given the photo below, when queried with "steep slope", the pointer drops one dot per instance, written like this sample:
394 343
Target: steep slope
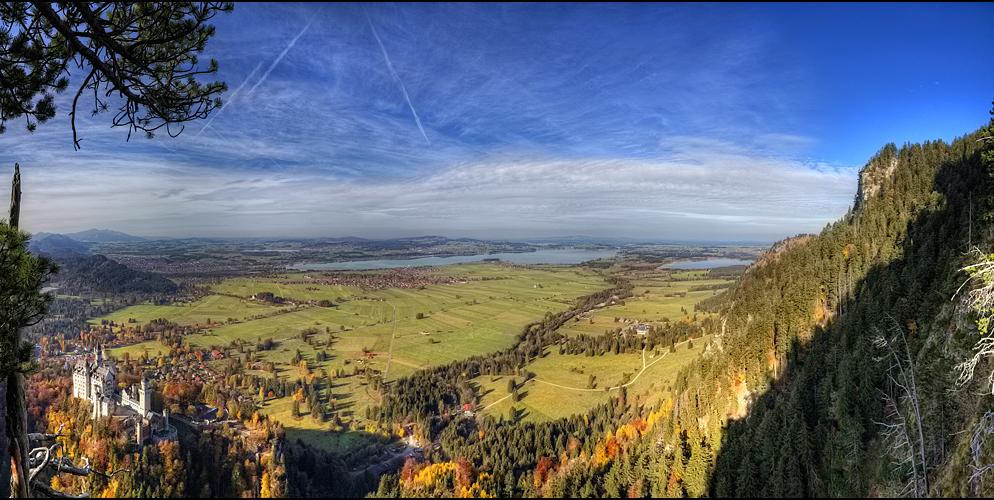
847 343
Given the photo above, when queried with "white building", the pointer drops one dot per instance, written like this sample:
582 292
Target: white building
96 381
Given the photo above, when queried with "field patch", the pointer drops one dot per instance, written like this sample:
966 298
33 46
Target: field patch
561 386
481 312
215 308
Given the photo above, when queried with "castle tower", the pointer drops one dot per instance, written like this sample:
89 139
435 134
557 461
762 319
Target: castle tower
141 430
145 398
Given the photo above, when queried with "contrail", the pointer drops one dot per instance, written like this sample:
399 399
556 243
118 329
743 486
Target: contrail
230 99
254 71
279 58
396 78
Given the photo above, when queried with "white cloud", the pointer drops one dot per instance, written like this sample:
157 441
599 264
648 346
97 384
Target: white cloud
712 193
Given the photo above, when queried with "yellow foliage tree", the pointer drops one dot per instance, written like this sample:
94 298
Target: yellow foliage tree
265 491
432 474
476 490
600 454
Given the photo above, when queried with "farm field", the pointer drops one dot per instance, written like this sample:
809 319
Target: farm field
212 307
246 287
560 386
460 320
657 299
482 311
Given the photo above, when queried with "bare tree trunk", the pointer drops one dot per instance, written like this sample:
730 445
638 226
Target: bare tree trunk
901 431
16 417
15 198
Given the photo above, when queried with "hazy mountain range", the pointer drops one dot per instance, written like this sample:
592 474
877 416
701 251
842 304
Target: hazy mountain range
93 236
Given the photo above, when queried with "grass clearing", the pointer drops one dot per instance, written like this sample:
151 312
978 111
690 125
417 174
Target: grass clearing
666 300
212 307
560 387
135 351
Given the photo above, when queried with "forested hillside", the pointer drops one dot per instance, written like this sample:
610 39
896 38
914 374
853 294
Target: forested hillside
96 273
847 343
832 371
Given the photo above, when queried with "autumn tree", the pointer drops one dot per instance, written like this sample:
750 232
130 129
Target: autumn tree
139 58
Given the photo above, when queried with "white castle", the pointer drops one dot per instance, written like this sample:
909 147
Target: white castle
96 382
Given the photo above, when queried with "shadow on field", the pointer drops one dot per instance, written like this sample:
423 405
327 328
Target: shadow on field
340 463
518 414
343 405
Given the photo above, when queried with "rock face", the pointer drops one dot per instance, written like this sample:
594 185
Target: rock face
873 175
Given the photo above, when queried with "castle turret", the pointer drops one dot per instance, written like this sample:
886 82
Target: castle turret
142 431
145 398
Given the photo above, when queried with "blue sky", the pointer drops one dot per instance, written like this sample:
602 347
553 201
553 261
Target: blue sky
696 122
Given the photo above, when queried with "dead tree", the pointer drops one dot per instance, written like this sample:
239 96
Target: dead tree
981 299
43 456
16 418
22 304
903 426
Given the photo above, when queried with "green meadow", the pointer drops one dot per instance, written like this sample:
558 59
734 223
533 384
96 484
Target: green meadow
560 386
482 312
246 287
135 351
212 307
657 298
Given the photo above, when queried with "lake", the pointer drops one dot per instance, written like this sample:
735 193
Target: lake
707 264
565 256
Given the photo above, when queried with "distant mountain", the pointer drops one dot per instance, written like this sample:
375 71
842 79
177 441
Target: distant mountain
431 239
104 236
348 239
56 244
563 240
